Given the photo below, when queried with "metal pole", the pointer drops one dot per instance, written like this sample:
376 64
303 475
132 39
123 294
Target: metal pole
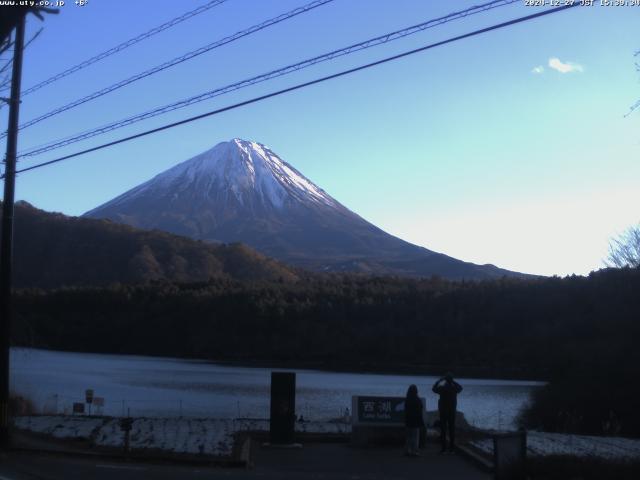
6 245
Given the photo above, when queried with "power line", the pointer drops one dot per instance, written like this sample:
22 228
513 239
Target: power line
303 85
178 60
124 45
266 76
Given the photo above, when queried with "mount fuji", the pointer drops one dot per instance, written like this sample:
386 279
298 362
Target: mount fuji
241 191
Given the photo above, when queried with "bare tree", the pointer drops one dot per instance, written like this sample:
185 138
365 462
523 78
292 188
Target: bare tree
624 250
5 69
636 105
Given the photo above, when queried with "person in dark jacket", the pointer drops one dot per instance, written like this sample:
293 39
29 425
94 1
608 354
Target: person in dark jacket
413 420
448 389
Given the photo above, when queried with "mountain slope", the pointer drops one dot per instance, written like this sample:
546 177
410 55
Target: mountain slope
53 250
242 191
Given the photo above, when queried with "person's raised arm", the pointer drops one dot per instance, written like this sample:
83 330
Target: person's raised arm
436 386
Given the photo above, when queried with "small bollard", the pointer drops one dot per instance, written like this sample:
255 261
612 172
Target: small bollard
510 455
125 425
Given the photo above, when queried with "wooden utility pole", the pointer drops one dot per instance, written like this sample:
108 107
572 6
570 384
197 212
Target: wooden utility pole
6 245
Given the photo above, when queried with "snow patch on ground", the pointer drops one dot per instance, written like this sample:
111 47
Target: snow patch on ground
204 436
541 444
59 426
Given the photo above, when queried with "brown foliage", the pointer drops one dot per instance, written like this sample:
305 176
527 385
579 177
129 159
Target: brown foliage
54 250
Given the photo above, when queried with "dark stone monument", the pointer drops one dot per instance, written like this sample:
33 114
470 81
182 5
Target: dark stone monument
283 408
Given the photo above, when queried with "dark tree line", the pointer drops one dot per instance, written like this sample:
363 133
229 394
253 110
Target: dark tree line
581 333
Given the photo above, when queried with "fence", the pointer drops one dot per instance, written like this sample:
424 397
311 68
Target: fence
188 406
59 404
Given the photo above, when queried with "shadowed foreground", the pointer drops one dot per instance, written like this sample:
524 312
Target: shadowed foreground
329 461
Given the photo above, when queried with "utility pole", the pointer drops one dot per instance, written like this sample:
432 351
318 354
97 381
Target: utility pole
6 245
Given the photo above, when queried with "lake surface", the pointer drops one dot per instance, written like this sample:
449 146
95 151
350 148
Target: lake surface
154 386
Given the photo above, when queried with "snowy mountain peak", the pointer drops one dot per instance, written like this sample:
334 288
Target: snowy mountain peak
246 167
241 190
244 170
270 174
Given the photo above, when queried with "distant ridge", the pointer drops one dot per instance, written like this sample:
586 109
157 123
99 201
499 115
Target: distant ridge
54 250
242 191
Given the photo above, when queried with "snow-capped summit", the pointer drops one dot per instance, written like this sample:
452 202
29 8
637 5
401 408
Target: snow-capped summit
248 172
242 191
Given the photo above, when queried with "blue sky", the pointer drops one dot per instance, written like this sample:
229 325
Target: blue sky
508 148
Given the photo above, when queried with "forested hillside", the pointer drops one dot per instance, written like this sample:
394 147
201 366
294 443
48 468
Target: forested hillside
546 328
53 250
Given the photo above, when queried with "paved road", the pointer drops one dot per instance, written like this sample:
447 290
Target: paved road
340 461
313 461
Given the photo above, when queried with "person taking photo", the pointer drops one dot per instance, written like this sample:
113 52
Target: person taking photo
448 389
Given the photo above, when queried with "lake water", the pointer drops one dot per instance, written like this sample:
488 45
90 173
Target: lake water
153 386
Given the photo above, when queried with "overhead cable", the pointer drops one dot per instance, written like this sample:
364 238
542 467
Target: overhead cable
266 76
124 45
302 85
177 61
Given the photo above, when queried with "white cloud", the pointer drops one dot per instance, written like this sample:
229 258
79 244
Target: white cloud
568 67
539 69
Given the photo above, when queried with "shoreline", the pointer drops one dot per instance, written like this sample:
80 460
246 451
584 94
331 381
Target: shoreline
463 372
